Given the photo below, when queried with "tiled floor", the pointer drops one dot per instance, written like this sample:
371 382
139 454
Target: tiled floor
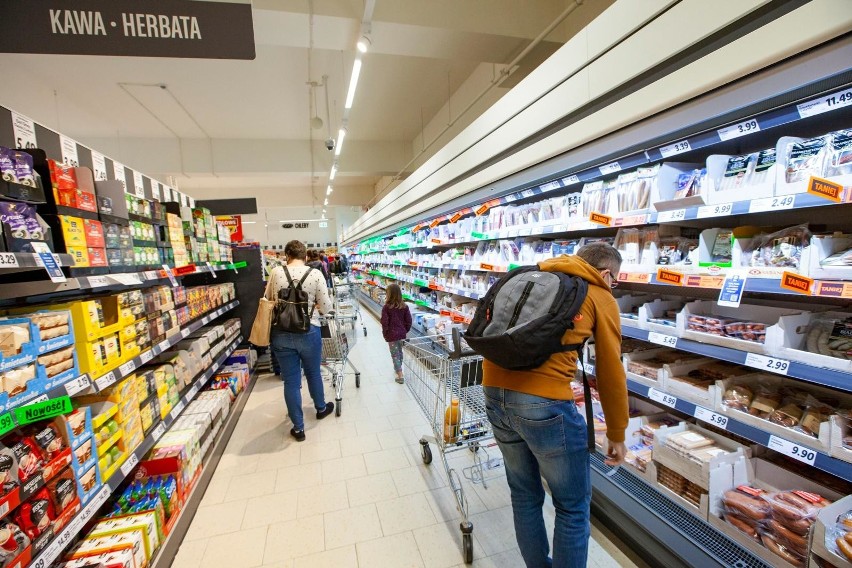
356 493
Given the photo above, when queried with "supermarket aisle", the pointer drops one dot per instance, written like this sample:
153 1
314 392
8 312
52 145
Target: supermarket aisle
354 494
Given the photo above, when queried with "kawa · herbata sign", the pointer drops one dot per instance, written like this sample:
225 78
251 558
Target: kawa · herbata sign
154 28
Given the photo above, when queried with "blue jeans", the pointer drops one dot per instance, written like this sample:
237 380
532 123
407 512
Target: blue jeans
294 352
542 437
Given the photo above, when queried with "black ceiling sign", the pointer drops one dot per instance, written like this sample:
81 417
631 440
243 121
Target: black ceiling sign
147 28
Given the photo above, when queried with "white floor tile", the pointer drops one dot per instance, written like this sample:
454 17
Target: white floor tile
341 469
190 553
294 538
441 545
251 485
399 551
405 513
350 526
270 509
319 450
386 460
344 557
360 445
322 499
371 489
239 550
216 520
298 477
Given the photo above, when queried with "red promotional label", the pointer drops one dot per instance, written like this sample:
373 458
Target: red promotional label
234 224
796 283
824 188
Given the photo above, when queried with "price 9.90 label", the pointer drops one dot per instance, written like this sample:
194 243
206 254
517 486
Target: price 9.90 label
792 450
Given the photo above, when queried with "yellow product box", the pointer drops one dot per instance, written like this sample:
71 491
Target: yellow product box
95 318
112 348
144 522
127 333
146 415
132 540
80 255
73 231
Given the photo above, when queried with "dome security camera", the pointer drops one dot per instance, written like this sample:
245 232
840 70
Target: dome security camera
329 144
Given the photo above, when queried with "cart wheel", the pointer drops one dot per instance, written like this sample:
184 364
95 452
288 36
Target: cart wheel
467 544
426 452
357 380
338 408
365 332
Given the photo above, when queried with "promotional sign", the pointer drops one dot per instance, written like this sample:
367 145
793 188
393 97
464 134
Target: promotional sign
155 28
234 223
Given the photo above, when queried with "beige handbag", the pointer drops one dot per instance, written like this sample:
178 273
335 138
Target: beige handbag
262 325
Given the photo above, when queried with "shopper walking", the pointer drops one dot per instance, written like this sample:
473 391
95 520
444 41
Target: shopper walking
315 262
541 433
297 352
396 323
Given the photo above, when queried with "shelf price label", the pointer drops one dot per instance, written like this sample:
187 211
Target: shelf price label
48 261
662 339
601 219
764 363
772 204
158 432
128 465
740 129
710 417
146 356
210 268
7 423
8 260
675 149
792 450
79 384
721 210
170 274
673 215
825 103
610 168
549 186
178 409
732 290
589 368
105 381
127 368
570 180
662 397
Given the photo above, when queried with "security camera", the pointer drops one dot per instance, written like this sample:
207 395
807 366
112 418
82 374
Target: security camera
329 144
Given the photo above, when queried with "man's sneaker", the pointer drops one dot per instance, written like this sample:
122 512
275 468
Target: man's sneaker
400 380
298 434
329 408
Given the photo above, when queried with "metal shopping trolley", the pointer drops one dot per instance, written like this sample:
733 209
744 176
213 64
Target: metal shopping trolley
337 340
346 301
437 374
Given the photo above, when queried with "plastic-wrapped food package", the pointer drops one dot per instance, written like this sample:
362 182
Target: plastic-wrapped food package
691 184
806 158
830 336
781 249
839 160
629 244
762 164
738 172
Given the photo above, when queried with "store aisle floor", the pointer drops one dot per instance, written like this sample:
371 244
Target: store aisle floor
354 494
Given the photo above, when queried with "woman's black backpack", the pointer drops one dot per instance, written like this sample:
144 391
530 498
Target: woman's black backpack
292 310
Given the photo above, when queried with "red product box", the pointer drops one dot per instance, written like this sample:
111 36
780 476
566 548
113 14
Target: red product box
94 233
98 257
77 199
63 177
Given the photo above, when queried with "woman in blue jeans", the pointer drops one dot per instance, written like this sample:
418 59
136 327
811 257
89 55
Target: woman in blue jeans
300 351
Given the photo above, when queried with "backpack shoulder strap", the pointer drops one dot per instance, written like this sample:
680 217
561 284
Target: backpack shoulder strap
304 277
289 278
587 395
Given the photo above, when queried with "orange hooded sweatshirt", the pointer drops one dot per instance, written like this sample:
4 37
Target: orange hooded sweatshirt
598 317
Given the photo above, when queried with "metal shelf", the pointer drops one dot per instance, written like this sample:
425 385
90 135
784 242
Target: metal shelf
22 261
58 545
817 375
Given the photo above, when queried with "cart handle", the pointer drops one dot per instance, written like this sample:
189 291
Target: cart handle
458 352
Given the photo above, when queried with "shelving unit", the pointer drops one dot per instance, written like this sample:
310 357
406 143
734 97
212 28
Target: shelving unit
412 253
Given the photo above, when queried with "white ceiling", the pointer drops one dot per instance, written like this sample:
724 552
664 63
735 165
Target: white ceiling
422 52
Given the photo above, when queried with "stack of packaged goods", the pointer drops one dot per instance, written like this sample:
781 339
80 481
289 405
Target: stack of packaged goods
41 489
176 240
36 354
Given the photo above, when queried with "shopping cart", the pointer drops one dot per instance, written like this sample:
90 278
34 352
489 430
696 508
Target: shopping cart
337 340
438 371
346 303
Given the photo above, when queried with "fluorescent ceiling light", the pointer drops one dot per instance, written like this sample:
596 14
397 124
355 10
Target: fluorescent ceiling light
353 83
297 220
326 201
249 222
341 134
328 190
333 172
363 44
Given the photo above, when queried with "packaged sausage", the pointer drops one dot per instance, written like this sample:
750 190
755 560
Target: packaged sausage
806 158
839 160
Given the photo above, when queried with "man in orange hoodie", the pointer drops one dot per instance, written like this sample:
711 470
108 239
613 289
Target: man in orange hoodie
541 433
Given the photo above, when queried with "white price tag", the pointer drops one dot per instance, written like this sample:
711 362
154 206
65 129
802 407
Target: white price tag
772 204
589 368
662 339
527 193
178 409
675 149
146 356
105 381
610 168
163 345
128 466
138 184
823 104
23 129
662 397
127 368
764 363
151 275
570 180
184 333
170 274
210 268
720 210
69 151
8 260
98 281
795 451
710 417
549 186
733 287
158 432
669 216
119 173
99 166
127 279
740 129
79 384
193 391
510 198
